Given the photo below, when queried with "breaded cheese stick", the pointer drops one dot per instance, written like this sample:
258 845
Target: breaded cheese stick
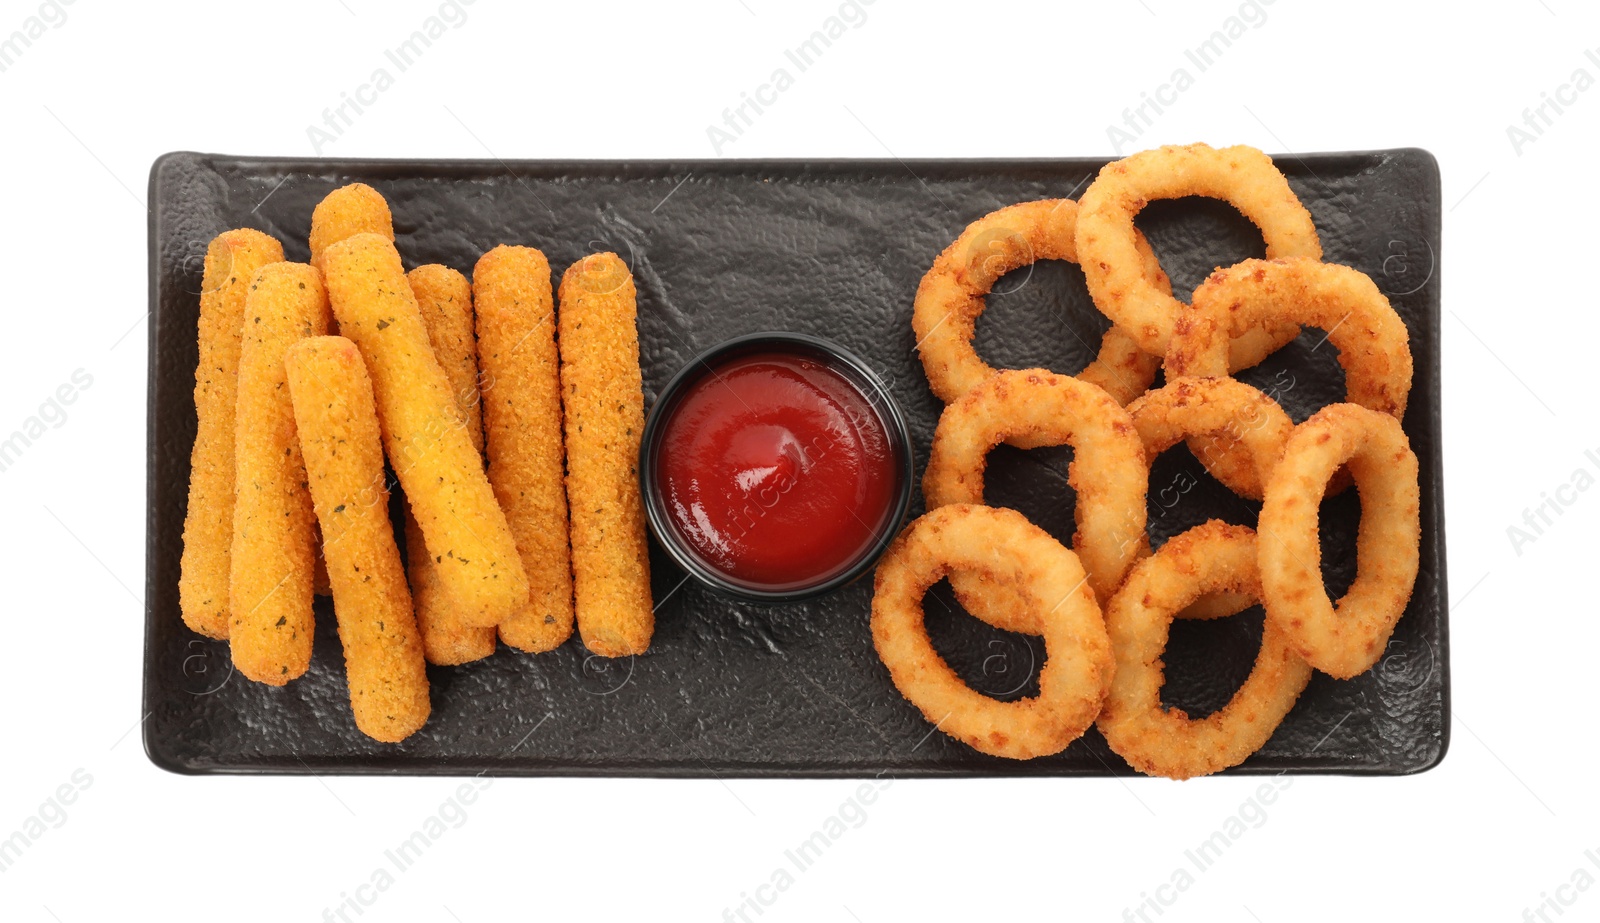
445 299
270 628
346 212
603 399
427 441
232 260
522 425
337 423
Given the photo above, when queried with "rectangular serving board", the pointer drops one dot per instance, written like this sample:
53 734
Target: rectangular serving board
834 248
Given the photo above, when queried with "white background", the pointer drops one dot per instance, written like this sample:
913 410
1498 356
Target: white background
1503 822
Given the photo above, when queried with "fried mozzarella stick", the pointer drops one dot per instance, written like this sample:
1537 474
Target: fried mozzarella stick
445 299
427 441
338 427
231 264
346 212
270 630
522 424
603 399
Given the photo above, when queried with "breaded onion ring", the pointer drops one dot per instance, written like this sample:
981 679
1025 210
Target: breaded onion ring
1162 741
1229 413
1108 467
1374 346
1235 417
1004 546
1228 410
1218 605
1346 639
1107 240
952 296
1121 369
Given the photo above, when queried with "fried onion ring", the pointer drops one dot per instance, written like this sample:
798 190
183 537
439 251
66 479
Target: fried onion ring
1372 340
1230 412
1374 346
952 296
1121 369
1004 608
1004 546
1242 176
1218 605
1345 639
1108 467
1162 741
1227 410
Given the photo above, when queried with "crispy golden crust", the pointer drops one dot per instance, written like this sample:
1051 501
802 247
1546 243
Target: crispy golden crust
1121 369
1346 639
1108 468
319 567
1241 176
338 430
999 605
232 260
1229 413
1374 346
273 553
444 640
1007 550
346 212
1218 605
1211 558
424 434
1372 340
952 296
522 425
1232 413
603 398
444 298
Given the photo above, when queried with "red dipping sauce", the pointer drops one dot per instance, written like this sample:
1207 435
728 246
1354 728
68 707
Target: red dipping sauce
777 470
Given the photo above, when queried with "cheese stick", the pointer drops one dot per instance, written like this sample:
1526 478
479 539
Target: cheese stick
426 439
230 267
337 424
445 299
603 400
522 425
346 212
273 551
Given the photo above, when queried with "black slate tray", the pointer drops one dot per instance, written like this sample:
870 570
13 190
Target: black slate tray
834 248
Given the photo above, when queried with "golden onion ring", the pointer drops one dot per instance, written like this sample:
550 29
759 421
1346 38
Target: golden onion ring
1210 558
953 293
1108 467
1345 639
1374 346
1004 547
1236 420
1372 340
1242 176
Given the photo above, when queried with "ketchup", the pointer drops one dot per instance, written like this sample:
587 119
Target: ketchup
777 470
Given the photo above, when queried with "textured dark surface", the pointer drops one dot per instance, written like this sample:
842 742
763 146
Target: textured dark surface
835 249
